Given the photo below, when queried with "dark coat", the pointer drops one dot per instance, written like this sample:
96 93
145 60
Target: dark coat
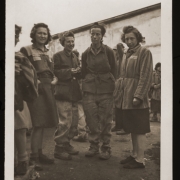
67 87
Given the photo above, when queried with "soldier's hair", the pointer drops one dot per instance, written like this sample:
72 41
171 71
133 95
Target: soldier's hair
64 35
131 29
101 26
17 29
157 65
34 29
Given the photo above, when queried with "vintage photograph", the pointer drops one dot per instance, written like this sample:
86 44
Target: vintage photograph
86 92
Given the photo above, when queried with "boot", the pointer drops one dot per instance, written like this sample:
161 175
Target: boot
44 159
34 161
70 150
21 168
60 153
105 153
93 150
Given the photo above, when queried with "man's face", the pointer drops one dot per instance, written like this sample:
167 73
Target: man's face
96 35
69 43
41 35
159 69
131 40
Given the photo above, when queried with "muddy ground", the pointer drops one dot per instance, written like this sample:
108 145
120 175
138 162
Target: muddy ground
82 168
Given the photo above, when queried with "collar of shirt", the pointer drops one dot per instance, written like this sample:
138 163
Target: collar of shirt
67 54
133 50
35 47
101 48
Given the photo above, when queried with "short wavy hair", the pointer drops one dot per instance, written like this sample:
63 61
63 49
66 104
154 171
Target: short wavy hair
34 29
157 65
101 26
131 29
64 35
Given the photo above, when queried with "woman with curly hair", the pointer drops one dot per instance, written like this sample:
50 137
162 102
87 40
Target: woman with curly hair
67 94
131 94
43 109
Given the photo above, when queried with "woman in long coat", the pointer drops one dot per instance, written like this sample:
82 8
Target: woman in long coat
43 109
131 94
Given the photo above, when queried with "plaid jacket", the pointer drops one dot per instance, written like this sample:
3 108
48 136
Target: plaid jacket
135 78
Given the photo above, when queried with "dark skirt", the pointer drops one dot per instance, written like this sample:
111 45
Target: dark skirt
155 106
43 110
134 120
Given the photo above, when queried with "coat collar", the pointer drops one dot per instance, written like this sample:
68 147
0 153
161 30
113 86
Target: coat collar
35 47
102 48
133 50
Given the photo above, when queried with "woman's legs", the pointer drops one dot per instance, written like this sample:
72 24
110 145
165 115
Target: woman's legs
134 145
141 144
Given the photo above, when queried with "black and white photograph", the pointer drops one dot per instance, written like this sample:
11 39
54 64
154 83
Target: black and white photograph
86 96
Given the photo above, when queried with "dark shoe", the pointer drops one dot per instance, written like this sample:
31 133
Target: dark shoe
63 156
91 152
21 168
60 153
127 160
35 162
45 160
70 150
105 155
121 132
134 165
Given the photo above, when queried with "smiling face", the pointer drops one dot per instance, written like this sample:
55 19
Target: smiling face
69 43
131 40
41 35
96 35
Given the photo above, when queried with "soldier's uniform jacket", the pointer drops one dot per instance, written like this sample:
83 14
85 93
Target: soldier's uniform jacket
67 87
98 70
135 78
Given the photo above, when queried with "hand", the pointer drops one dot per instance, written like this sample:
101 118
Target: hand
38 81
54 81
136 101
157 86
17 67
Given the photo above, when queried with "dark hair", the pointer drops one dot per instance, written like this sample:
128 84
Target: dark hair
76 52
157 65
17 29
131 29
101 26
34 29
66 34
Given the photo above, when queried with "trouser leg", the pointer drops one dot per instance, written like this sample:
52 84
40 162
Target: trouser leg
82 122
92 120
105 111
61 135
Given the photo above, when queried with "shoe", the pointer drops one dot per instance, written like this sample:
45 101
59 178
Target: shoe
91 152
45 160
105 155
134 165
127 160
21 168
60 153
121 132
34 161
70 150
114 129
81 138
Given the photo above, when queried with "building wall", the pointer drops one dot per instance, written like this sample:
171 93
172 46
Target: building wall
149 24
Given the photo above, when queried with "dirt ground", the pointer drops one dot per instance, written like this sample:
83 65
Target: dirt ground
83 168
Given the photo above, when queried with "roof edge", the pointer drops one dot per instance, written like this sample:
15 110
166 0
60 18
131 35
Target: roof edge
113 19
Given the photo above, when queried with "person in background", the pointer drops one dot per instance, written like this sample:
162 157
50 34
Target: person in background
131 94
43 110
25 91
156 93
119 51
67 95
82 128
98 74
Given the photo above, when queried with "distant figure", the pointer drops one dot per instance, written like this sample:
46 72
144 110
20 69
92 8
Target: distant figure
156 93
131 94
